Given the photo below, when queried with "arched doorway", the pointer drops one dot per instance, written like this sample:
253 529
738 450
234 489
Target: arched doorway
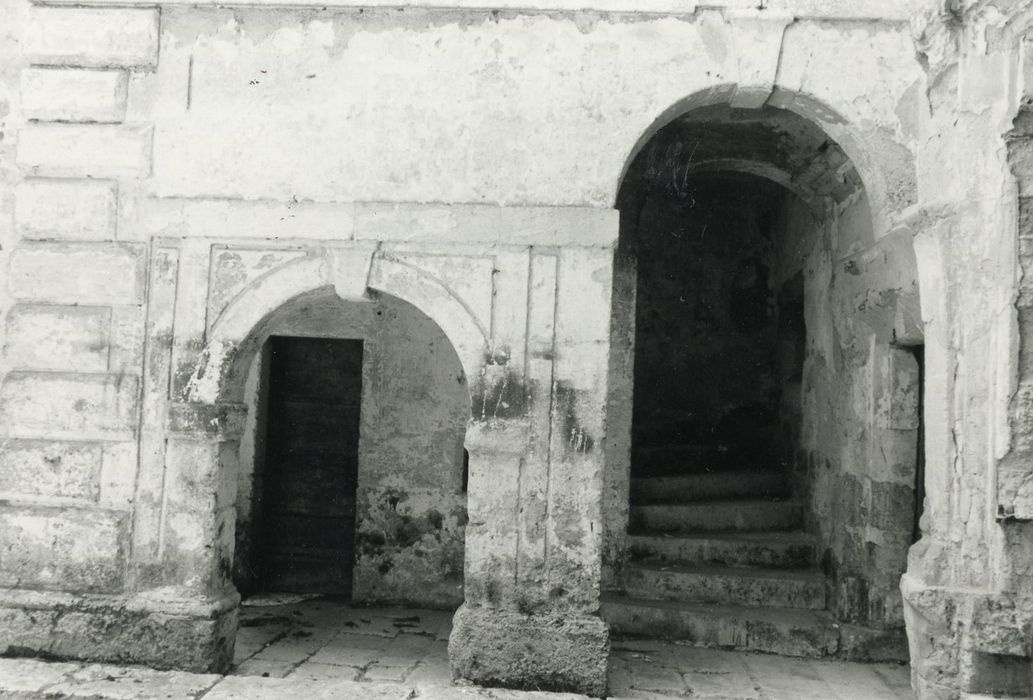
351 478
413 513
761 324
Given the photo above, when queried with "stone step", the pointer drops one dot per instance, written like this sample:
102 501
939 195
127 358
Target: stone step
806 633
727 585
709 486
717 516
783 550
661 460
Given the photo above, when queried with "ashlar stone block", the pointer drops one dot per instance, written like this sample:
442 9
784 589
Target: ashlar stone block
66 209
85 150
50 468
78 273
67 405
58 337
93 38
62 549
558 226
74 95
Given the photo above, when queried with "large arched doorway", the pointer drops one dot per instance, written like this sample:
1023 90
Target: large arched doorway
763 327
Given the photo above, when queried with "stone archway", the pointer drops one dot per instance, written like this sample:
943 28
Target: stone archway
837 291
206 430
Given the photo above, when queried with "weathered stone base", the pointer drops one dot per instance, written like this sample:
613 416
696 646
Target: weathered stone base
161 629
858 643
561 652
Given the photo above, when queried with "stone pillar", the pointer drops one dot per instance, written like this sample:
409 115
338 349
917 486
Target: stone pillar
534 538
508 632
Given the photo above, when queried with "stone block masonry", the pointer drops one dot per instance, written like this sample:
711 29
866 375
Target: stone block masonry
72 353
181 182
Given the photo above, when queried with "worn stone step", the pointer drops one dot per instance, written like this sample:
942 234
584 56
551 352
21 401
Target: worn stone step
775 588
784 550
717 516
789 632
709 485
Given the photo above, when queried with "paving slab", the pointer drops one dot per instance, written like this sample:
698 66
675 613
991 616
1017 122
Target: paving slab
129 683
286 650
30 675
243 688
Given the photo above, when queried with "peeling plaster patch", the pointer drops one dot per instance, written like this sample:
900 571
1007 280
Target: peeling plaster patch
500 393
567 404
205 381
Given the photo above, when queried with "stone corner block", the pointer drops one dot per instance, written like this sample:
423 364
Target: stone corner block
152 630
62 548
66 209
74 95
57 337
563 652
69 406
92 37
77 273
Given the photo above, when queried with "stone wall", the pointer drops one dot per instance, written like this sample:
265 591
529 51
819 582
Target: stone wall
466 162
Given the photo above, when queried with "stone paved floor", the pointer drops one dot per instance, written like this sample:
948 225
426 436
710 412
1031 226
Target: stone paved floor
314 649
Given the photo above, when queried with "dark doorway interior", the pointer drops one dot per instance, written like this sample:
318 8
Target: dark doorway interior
707 336
916 529
312 437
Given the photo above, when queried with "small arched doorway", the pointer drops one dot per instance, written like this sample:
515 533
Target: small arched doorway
773 438
351 478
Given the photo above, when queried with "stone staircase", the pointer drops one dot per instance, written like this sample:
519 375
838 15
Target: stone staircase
718 558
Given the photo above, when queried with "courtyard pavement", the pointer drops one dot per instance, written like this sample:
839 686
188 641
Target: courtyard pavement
319 649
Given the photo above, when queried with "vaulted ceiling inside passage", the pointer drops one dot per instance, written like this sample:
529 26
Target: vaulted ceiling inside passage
772 143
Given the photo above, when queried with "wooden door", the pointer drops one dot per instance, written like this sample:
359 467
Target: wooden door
308 538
